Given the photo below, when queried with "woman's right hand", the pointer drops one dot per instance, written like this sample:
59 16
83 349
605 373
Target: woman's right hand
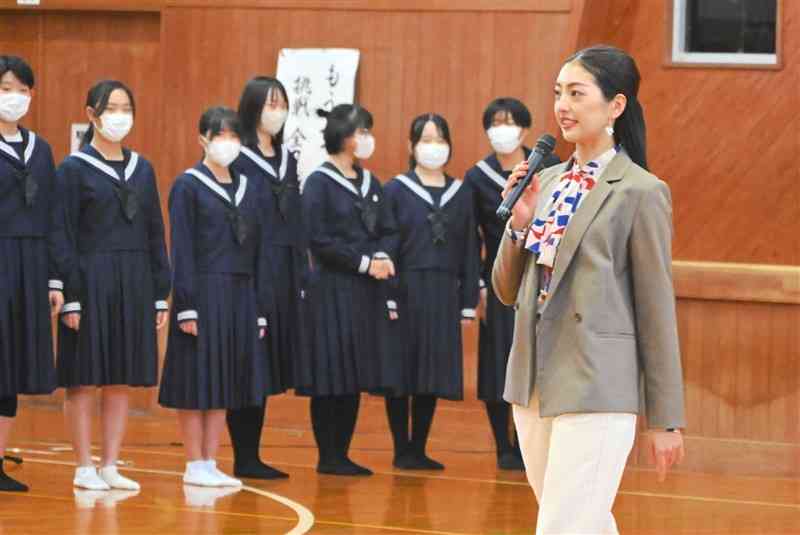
525 208
189 327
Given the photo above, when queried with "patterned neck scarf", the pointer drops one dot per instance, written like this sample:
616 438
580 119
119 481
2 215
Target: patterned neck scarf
546 234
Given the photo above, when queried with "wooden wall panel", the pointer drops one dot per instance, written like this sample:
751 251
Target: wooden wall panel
82 48
722 138
411 63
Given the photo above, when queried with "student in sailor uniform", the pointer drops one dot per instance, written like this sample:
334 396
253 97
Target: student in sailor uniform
27 182
437 262
270 166
347 225
111 252
216 354
507 122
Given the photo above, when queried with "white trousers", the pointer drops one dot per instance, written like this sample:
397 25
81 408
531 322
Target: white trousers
574 463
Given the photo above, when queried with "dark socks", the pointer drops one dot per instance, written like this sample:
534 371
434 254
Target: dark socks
244 426
9 484
508 457
499 415
397 414
334 421
422 410
410 454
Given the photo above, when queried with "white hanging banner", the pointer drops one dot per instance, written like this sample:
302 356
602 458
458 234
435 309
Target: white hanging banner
314 78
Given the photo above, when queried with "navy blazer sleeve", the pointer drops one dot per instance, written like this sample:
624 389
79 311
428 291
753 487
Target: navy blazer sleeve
264 278
159 263
63 240
47 189
182 225
471 264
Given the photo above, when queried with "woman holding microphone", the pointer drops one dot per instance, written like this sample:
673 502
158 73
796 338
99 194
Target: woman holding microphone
586 261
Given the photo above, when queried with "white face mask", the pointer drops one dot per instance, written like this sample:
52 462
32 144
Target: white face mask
365 146
13 106
223 151
272 120
432 155
115 126
504 138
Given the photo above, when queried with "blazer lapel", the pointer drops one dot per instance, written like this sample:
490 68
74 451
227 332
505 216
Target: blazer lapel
586 213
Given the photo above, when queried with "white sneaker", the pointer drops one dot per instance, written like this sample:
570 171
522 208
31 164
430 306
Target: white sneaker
197 474
224 479
112 477
86 478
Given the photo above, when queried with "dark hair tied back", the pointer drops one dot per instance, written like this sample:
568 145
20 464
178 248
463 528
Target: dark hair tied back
97 99
616 73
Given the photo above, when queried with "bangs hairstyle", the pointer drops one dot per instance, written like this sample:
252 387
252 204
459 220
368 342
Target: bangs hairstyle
615 72
342 122
513 107
217 120
415 135
251 104
97 99
19 67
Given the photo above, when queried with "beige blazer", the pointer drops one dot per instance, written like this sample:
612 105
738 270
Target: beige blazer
606 338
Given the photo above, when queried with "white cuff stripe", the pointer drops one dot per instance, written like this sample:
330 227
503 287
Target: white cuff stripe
55 284
364 267
468 313
392 305
75 306
162 305
482 283
187 315
262 322
380 255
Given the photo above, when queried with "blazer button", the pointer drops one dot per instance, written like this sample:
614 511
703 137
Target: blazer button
578 317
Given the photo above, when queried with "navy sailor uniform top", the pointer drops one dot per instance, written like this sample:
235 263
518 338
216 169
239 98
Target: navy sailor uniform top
28 191
280 189
102 211
347 220
436 232
217 230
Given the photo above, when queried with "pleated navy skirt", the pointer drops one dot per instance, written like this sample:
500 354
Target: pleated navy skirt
116 343
349 335
226 366
494 346
287 337
26 341
430 347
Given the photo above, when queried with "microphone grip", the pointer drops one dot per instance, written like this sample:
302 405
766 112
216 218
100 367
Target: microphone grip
507 206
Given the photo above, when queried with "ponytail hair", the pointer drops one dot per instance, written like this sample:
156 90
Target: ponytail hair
616 73
342 122
97 99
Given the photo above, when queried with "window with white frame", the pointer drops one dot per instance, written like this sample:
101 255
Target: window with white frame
725 32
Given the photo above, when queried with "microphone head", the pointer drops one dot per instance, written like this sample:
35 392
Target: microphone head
545 144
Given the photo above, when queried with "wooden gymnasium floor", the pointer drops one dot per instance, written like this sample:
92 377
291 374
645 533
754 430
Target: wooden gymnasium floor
470 497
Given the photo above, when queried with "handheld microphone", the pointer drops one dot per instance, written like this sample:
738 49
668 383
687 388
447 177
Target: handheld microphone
543 148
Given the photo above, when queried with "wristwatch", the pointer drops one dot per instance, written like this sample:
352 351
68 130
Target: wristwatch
515 235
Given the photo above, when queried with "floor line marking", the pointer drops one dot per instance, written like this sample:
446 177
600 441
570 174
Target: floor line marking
525 484
305 518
